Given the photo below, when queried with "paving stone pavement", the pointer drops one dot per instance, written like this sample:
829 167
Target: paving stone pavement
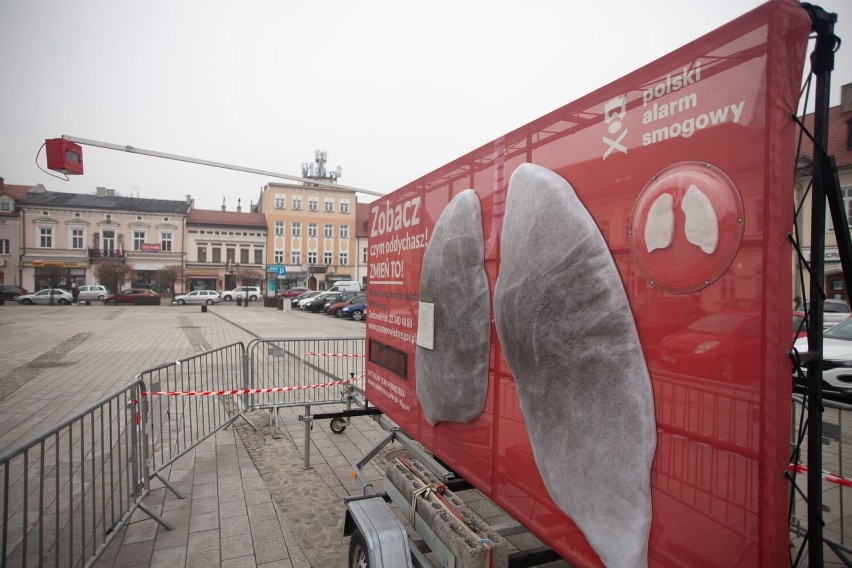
248 500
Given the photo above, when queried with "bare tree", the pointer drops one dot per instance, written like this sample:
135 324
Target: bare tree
248 277
168 275
112 274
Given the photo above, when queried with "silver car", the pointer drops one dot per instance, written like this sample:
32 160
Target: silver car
92 293
47 296
208 297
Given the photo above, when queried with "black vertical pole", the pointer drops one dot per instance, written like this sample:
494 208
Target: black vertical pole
822 63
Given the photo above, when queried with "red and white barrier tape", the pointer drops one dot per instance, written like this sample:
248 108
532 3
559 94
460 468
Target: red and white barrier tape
826 475
246 391
342 355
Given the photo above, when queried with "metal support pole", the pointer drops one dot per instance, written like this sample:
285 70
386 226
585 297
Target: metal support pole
822 63
308 420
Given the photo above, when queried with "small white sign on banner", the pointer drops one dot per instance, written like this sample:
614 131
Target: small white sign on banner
426 326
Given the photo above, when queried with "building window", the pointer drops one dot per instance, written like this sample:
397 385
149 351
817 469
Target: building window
328 230
139 217
847 201
297 203
329 205
217 254
109 241
4 246
244 256
364 255
312 204
138 239
344 258
279 228
280 201
327 258
312 257
258 256
296 257
231 255
166 242
277 257
296 229
5 205
45 237
77 214
344 206
78 237
202 254
344 231
312 230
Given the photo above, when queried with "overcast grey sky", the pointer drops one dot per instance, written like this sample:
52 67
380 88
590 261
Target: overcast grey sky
391 90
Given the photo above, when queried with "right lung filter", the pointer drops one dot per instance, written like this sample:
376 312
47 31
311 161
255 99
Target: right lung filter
567 331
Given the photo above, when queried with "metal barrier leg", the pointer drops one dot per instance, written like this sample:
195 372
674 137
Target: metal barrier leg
161 521
169 486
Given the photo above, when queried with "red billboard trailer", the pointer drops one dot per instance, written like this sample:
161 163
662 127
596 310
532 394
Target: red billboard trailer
588 318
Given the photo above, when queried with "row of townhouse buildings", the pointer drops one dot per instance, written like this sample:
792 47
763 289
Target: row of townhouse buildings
295 235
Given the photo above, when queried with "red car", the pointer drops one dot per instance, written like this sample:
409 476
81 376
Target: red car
291 293
129 296
333 309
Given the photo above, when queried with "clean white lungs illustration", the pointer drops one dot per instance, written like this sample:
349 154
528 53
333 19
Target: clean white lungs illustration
702 225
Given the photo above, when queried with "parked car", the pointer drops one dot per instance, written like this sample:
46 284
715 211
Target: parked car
58 295
92 292
354 311
250 292
800 327
346 286
208 297
833 312
333 308
291 292
294 301
129 296
836 360
318 302
714 347
12 291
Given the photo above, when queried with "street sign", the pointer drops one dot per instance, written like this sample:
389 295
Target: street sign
282 271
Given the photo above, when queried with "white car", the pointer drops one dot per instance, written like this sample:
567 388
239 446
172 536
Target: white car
59 296
208 297
833 312
92 293
836 357
250 292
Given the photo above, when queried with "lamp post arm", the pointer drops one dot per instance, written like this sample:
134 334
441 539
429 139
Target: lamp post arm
267 173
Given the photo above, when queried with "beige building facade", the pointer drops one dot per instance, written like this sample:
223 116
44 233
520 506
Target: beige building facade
64 236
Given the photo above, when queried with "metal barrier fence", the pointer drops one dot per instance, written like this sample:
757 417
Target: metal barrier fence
176 423
300 362
68 491
837 467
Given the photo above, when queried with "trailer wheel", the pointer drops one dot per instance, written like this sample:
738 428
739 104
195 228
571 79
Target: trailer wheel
358 555
338 425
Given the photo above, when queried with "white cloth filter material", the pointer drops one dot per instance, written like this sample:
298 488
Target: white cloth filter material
702 225
659 228
452 376
567 331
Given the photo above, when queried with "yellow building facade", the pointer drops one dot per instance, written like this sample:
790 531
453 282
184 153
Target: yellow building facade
310 235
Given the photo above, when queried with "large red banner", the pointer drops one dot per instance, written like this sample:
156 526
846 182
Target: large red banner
685 167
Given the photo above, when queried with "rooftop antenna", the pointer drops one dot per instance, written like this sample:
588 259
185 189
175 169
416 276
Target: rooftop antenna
317 169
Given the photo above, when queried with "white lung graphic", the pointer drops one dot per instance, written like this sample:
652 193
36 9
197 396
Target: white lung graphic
659 229
702 226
